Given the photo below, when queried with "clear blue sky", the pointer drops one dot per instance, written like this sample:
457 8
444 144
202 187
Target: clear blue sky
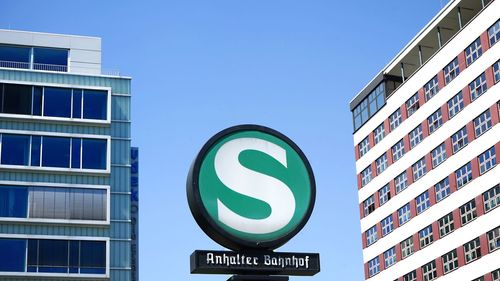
201 66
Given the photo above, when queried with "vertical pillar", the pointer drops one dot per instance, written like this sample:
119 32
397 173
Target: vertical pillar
403 72
459 15
440 43
420 60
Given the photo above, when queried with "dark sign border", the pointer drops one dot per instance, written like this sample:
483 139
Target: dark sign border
209 226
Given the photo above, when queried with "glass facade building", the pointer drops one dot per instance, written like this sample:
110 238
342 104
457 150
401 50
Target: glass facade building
65 161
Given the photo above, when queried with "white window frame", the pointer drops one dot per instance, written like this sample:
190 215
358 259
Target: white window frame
387 225
419 169
468 212
450 261
431 88
390 257
494 33
407 247
379 133
451 71
373 266
493 239
395 119
438 155
371 235
401 182
463 175
459 140
487 160
446 225
496 71
404 214
429 271
366 175
364 147
442 189
381 163
472 250
478 87
455 104
398 150
416 136
423 202
482 123
473 51
412 104
491 198
370 201
384 194
435 121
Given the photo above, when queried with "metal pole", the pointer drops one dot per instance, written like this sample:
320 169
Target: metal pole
420 55
439 37
403 71
459 17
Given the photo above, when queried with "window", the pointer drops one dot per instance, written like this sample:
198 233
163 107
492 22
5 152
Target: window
95 104
12 255
395 119
472 250
57 102
401 182
50 59
468 212
387 225
369 206
482 123
450 261
442 189
496 275
369 106
366 176
451 71
459 140
381 163
47 151
463 175
491 198
66 256
446 225
371 236
425 236
493 239
474 51
15 57
438 155
487 160
494 33
398 150
419 169
390 257
435 121
455 104
431 88
364 147
384 194
412 104
67 203
429 271
423 202
373 266
496 71
379 133
15 149
16 99
411 276
404 214
416 136
478 87
407 247
13 201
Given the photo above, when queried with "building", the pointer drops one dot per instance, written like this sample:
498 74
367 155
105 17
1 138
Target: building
65 173
427 144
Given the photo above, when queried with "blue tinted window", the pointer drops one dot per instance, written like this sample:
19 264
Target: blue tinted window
55 152
52 255
75 152
13 201
77 103
94 154
93 257
37 100
12 255
15 57
95 104
32 254
15 149
50 56
57 102
17 99
35 150
74 253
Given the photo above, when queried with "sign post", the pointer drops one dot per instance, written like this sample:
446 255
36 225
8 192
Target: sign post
251 189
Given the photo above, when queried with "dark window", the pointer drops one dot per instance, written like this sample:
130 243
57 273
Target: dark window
93 257
50 59
15 149
77 103
17 99
52 256
15 57
57 102
12 255
76 145
13 201
94 154
55 152
36 142
37 100
95 104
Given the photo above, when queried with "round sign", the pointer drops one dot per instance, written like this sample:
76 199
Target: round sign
251 187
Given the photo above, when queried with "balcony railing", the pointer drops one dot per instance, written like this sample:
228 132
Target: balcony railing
37 66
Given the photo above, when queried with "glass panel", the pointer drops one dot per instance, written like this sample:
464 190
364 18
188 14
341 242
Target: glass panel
12 255
60 203
77 103
94 154
74 253
35 150
17 99
53 253
36 203
13 201
15 57
57 102
32 253
55 152
75 153
37 100
95 104
15 149
93 257
50 59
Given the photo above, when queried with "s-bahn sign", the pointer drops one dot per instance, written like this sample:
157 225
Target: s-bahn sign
251 188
